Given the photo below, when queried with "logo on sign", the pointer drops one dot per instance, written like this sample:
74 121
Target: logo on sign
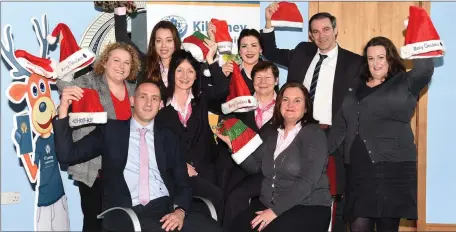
179 22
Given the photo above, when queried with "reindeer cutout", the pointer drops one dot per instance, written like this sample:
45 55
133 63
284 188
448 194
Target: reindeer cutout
36 150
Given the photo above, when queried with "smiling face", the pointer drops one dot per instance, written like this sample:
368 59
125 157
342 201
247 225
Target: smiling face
164 43
41 105
118 65
292 106
146 103
264 82
250 50
377 61
185 76
323 34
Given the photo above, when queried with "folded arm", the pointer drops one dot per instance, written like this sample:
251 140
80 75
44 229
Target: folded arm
71 153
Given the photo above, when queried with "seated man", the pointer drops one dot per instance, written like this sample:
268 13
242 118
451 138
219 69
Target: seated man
158 192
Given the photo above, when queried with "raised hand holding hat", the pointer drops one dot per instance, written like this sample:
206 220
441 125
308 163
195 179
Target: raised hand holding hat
421 39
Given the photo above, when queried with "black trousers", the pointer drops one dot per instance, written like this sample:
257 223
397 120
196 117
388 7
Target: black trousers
299 218
202 187
91 205
237 200
149 218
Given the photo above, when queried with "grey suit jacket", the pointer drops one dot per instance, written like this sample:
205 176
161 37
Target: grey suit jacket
382 119
87 172
298 175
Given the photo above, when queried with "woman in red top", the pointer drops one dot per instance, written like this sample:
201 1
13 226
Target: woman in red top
113 78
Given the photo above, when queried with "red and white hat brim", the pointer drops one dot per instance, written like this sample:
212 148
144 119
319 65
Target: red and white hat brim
79 119
240 104
196 51
247 149
75 62
38 69
225 46
283 23
410 51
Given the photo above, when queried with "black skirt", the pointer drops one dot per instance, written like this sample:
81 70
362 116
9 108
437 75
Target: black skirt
381 189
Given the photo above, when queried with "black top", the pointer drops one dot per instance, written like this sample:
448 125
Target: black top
382 118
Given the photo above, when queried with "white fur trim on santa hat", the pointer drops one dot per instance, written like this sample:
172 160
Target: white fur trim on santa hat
51 39
38 69
79 119
247 149
225 46
73 63
237 104
207 73
410 50
196 51
282 23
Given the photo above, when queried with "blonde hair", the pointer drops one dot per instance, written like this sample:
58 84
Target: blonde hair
99 68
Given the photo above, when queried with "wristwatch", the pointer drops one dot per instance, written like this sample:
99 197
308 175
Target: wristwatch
181 209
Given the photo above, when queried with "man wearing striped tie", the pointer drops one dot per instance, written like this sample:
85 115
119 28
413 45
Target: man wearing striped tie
143 167
328 72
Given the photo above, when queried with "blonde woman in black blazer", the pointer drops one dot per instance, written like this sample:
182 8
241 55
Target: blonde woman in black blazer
293 157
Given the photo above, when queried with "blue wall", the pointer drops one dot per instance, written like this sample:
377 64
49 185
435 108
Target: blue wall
78 16
441 154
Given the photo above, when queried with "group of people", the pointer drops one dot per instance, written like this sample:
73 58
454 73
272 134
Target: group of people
157 151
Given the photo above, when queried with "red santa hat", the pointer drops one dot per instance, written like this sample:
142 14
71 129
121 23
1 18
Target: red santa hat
72 57
244 141
421 39
239 99
287 15
88 110
195 45
222 36
41 66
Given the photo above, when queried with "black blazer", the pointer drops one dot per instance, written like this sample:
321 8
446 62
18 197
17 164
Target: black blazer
196 141
298 60
111 141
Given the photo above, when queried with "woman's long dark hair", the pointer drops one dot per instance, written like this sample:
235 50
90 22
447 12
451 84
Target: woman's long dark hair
277 119
153 59
177 58
392 57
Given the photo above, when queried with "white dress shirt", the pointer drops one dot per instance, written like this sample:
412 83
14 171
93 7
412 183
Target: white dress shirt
283 142
322 110
157 187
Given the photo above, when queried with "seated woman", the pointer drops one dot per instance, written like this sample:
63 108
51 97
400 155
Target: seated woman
186 114
293 157
114 70
373 130
241 186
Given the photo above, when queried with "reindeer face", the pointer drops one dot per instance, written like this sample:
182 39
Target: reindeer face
41 105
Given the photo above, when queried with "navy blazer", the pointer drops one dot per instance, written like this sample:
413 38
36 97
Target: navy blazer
111 141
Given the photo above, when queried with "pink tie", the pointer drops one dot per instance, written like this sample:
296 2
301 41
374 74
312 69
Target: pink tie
143 168
187 116
259 116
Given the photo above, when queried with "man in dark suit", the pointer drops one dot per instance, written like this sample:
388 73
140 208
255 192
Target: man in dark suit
328 72
135 150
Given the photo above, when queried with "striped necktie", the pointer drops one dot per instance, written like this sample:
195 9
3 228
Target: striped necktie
313 86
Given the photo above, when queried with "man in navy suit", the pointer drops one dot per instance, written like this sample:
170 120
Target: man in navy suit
159 192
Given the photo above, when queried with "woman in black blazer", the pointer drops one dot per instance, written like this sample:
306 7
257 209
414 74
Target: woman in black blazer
293 157
241 186
186 114
373 129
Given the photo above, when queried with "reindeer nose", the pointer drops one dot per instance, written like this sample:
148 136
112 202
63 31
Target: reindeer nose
42 107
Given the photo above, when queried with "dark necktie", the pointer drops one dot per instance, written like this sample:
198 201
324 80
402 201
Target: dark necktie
313 86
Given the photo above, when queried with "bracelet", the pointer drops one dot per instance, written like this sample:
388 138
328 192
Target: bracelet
181 209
